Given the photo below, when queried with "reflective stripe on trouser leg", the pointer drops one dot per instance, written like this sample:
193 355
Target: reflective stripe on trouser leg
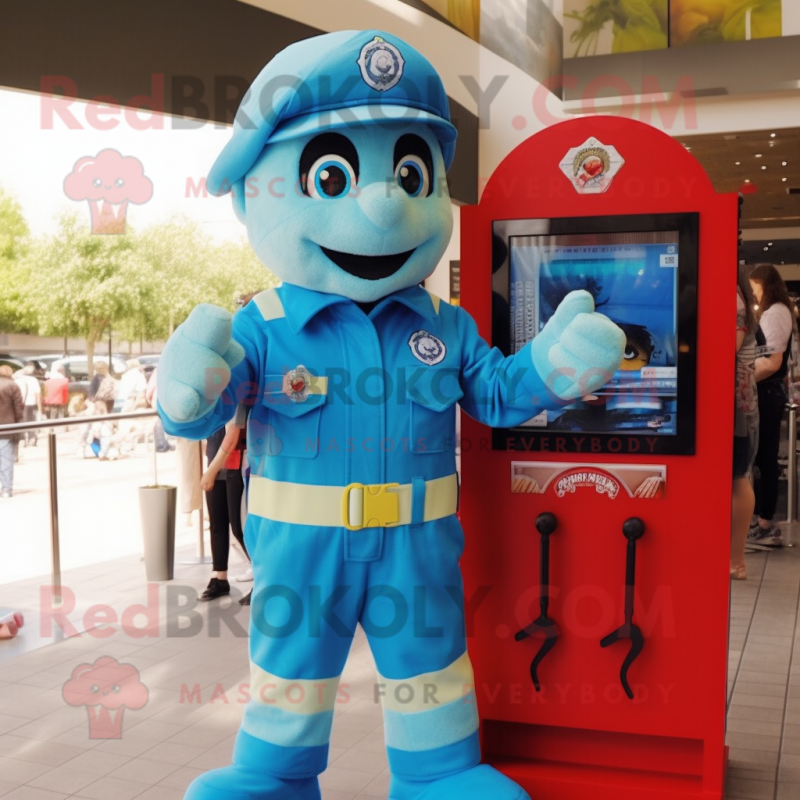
287 723
305 607
431 722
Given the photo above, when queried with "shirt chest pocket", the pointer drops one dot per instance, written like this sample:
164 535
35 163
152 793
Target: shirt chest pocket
431 395
294 416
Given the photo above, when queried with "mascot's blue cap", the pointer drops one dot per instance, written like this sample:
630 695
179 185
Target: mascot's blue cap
332 81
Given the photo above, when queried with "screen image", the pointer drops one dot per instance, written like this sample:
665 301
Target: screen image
633 278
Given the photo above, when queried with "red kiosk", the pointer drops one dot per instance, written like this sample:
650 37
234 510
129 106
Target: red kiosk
583 570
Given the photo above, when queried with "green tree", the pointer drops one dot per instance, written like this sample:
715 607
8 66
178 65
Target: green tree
15 313
187 268
173 255
87 283
237 271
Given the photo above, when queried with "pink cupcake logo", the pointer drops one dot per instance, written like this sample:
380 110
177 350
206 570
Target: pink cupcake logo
109 182
106 688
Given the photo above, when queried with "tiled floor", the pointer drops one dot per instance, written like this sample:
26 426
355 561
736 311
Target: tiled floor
46 752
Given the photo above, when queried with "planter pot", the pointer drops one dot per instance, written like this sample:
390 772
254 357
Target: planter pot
157 505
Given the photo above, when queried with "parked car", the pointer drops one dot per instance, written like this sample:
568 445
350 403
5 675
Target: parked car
10 361
16 362
76 368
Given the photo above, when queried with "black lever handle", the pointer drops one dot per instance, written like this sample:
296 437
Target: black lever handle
546 524
633 530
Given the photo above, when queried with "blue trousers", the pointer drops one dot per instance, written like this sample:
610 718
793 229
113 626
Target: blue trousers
312 586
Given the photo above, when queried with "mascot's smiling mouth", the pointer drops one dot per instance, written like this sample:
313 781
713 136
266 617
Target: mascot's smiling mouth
371 268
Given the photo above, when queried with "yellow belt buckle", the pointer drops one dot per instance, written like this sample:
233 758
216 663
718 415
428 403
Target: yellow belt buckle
381 506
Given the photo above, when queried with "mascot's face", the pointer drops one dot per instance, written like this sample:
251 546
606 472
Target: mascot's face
360 211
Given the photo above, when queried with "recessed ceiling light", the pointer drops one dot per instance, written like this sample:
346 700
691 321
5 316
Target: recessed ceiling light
784 180
758 155
769 244
738 163
765 249
773 135
764 167
747 180
783 163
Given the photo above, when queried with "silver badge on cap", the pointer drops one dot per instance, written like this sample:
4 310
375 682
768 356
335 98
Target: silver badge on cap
381 64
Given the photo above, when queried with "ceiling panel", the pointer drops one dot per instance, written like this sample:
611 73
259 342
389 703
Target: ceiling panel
764 159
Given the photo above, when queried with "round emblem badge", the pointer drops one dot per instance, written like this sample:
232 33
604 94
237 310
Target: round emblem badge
381 64
590 165
427 348
296 384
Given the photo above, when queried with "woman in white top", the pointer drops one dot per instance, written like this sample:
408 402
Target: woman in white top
745 430
776 322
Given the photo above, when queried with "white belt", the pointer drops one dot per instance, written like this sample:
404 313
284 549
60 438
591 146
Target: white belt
355 506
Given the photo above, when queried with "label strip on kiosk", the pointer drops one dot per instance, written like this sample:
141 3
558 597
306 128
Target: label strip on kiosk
639 481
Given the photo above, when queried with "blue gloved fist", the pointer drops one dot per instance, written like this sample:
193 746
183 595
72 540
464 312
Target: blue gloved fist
196 364
579 350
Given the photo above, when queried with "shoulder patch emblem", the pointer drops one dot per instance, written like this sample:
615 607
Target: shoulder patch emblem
427 348
381 64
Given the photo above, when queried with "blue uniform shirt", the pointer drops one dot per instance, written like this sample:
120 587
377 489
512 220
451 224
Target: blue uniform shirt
384 387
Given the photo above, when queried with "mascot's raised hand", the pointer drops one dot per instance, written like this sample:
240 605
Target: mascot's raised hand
578 350
196 364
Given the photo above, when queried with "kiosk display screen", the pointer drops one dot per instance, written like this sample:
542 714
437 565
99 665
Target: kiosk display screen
639 280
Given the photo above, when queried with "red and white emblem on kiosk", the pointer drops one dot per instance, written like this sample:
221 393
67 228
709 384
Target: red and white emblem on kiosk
592 166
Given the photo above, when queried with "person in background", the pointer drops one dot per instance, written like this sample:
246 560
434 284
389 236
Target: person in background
103 442
56 394
133 387
32 398
12 411
745 429
132 392
224 487
776 321
103 388
223 484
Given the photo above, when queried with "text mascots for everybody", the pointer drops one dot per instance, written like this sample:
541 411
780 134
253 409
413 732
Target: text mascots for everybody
350 372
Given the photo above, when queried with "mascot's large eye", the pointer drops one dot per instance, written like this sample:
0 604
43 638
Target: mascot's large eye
94 689
330 176
413 165
412 175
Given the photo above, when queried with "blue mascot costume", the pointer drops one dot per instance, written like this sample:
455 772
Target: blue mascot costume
351 372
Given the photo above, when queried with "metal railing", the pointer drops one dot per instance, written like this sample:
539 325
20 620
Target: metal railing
51 425
52 469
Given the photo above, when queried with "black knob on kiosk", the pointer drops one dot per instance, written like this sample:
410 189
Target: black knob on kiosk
632 529
546 523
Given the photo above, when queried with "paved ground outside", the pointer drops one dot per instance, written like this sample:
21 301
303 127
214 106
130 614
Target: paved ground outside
97 503
192 658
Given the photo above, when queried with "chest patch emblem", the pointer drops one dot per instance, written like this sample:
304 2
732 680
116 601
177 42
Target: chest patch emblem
427 348
296 384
